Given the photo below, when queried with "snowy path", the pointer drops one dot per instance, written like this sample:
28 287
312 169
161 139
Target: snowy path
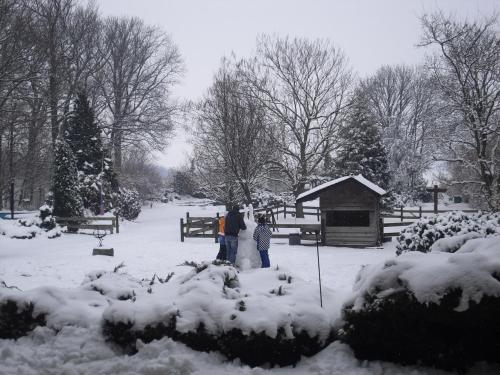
152 245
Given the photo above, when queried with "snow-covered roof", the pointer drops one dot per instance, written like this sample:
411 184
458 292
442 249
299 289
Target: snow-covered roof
313 193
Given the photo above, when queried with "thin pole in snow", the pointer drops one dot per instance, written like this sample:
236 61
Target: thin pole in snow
319 270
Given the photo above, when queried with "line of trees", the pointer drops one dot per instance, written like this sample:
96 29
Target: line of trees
51 50
294 112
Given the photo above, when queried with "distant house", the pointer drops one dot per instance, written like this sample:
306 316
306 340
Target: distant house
350 211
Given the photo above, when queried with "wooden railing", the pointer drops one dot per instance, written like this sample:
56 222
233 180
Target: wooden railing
207 227
200 226
409 214
110 223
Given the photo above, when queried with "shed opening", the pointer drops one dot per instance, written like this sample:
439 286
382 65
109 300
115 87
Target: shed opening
348 219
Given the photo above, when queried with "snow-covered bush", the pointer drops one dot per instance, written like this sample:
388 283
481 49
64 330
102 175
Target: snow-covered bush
128 204
23 311
258 316
265 198
17 320
48 222
27 228
421 235
438 309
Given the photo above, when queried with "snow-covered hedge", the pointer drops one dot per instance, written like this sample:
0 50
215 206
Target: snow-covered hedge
128 204
438 309
421 235
27 228
260 316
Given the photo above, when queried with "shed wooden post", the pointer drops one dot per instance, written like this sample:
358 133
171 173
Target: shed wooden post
182 229
317 213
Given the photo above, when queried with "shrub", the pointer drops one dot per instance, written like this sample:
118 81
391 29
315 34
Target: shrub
436 309
128 204
401 329
211 309
421 235
252 348
18 319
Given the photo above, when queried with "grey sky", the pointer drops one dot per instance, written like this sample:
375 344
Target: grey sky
372 33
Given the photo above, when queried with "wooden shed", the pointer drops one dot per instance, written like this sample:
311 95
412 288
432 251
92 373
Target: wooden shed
350 211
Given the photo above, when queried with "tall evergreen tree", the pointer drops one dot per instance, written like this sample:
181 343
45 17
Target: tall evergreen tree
362 150
98 183
65 186
84 137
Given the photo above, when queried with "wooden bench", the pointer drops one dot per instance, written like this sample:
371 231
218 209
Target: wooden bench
106 223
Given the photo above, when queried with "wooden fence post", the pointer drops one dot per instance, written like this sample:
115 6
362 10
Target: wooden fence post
182 229
187 223
117 221
284 210
215 225
401 213
420 212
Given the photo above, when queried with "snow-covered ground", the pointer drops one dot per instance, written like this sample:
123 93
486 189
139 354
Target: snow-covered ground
152 245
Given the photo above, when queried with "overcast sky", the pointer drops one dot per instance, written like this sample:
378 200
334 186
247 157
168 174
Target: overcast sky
372 33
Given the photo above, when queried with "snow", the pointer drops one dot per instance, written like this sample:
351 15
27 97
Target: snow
429 276
61 275
370 185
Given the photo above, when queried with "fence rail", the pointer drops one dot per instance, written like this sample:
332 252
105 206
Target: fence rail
88 222
207 227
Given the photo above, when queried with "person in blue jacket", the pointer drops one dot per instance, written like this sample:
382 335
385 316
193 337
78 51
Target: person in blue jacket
262 234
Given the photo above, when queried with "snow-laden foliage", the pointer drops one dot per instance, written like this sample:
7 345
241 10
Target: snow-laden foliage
43 225
128 204
258 316
421 235
362 150
67 199
439 309
96 178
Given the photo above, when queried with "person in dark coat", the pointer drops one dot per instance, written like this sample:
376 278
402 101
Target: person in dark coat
262 234
233 223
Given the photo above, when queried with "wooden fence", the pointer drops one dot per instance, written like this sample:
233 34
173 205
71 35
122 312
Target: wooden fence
207 227
110 223
404 214
199 227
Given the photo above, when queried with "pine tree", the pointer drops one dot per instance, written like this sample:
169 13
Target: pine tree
362 150
95 170
84 137
65 189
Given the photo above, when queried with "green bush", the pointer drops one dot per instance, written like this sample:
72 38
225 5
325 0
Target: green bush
18 319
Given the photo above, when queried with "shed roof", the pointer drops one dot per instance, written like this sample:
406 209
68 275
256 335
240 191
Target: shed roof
314 193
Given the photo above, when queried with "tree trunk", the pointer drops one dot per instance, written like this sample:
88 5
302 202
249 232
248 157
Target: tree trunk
1 172
117 151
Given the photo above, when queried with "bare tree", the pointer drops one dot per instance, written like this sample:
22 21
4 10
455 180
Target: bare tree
15 47
304 85
467 70
232 146
142 64
402 101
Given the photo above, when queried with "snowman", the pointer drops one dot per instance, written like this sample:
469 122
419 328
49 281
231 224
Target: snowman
248 256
